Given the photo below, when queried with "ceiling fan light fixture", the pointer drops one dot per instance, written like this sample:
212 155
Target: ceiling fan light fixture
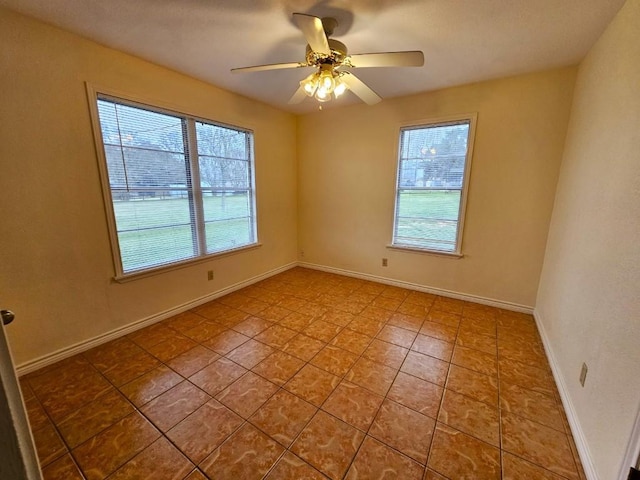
322 94
326 79
332 63
340 88
310 84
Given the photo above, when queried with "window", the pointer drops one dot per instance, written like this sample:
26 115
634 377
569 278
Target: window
433 169
180 188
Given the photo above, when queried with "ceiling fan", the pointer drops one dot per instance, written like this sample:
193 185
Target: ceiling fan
332 63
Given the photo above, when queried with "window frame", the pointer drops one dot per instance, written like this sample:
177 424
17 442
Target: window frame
471 118
97 93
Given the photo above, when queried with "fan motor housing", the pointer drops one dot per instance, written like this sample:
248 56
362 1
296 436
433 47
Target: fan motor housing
337 56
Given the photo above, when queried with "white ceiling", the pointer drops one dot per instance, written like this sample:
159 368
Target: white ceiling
463 40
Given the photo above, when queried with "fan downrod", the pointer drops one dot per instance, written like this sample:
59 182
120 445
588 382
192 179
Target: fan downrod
329 24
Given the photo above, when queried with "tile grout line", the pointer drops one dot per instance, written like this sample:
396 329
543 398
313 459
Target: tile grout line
500 439
341 378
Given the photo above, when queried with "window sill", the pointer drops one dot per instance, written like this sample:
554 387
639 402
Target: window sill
128 277
437 253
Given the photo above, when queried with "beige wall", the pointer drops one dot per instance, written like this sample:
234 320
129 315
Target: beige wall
325 186
589 297
347 172
55 254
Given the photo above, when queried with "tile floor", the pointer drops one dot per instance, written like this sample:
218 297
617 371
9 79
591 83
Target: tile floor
309 375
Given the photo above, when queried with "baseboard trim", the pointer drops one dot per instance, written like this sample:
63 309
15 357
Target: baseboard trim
79 347
515 307
632 453
572 417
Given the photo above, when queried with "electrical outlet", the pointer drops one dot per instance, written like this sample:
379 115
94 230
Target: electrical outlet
583 374
301 253
210 275
384 262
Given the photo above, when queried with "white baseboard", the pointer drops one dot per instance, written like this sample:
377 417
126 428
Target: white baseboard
74 349
572 417
632 453
422 288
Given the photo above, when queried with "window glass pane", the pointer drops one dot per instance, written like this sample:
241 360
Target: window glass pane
431 169
222 142
225 205
151 175
228 220
154 230
428 219
148 174
143 148
223 173
224 160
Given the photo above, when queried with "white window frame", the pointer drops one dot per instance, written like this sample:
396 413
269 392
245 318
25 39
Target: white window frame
471 118
94 94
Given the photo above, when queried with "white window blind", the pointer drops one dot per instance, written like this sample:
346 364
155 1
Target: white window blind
433 166
224 157
180 188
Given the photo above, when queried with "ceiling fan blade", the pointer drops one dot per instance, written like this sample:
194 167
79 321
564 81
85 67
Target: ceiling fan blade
360 89
298 97
271 66
313 31
388 59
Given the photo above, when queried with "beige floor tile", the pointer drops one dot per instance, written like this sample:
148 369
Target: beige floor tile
447 333
110 449
250 353
328 444
376 461
150 385
334 360
204 430
247 394
404 429
372 376
353 405
171 347
291 467
283 417
425 367
532 405
62 468
538 444
473 384
352 341
303 347
192 361
516 468
49 445
462 457
471 416
94 417
312 384
226 341
158 460
386 353
355 396
475 360
248 454
422 396
217 376
433 347
398 336
174 405
279 367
